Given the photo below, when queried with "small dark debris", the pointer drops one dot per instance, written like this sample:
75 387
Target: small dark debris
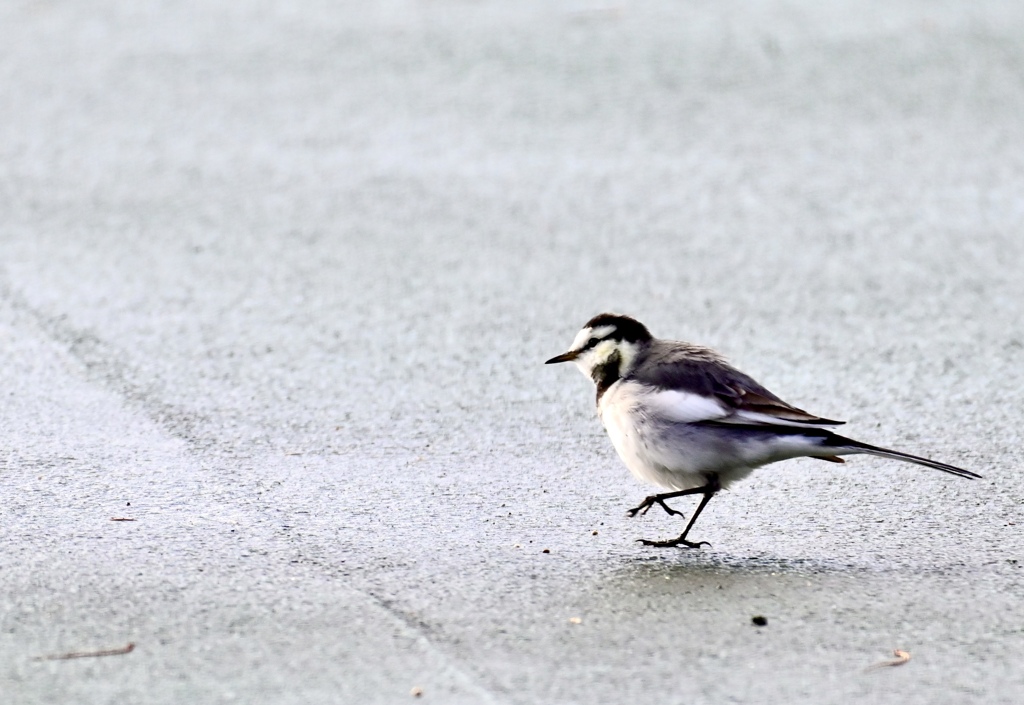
546 550
759 621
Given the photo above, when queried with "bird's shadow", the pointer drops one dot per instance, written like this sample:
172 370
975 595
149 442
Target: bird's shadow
701 568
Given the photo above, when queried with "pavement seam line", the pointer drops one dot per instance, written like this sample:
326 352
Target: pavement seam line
102 365
463 675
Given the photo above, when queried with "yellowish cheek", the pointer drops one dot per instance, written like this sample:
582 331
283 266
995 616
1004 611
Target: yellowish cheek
626 353
603 351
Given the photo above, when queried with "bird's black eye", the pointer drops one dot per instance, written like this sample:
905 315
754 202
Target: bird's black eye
591 343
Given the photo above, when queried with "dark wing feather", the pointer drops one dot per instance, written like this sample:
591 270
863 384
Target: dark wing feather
689 368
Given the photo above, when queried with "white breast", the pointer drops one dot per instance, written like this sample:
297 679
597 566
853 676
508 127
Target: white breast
622 410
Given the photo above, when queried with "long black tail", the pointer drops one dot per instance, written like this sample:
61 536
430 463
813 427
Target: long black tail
828 439
835 441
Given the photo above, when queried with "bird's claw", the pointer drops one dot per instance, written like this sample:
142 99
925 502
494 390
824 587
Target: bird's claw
640 508
645 506
674 543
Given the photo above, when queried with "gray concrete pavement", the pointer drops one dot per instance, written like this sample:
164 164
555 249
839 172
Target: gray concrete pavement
277 280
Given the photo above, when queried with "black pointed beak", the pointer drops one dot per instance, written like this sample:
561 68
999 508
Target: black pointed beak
564 357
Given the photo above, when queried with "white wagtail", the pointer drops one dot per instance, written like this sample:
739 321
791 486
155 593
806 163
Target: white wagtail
681 417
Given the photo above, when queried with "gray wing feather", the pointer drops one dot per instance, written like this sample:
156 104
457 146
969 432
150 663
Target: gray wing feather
696 370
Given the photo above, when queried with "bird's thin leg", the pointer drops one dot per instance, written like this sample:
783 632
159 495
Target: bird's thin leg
709 491
660 500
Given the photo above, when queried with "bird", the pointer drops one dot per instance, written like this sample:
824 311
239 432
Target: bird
684 419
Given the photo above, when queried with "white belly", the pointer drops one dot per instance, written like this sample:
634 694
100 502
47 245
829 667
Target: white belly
633 441
676 454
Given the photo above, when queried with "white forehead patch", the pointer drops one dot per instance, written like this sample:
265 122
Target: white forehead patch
580 340
587 333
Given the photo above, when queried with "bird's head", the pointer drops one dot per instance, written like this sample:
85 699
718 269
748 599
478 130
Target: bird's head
607 346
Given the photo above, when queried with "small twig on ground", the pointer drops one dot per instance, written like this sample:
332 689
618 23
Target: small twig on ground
87 654
901 658
120 519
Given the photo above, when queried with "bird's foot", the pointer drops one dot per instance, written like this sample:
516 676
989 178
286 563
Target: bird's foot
650 502
642 507
674 543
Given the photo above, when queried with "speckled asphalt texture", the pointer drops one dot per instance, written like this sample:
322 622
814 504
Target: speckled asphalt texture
277 280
